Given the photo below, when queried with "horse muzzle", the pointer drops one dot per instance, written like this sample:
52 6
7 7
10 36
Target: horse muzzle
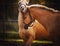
23 8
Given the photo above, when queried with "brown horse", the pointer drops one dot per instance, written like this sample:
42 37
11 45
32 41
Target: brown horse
49 18
45 26
35 31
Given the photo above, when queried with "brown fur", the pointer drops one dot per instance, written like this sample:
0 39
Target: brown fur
46 26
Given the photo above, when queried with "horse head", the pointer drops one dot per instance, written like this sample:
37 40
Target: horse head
23 5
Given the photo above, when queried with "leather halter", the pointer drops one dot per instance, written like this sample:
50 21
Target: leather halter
27 25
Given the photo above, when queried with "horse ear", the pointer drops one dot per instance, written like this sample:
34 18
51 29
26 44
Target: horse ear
27 1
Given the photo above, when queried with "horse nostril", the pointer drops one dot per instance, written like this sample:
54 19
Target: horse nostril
21 7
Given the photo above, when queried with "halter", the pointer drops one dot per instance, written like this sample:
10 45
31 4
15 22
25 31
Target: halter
32 20
21 6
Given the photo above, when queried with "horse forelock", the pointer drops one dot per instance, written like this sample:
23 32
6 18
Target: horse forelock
42 6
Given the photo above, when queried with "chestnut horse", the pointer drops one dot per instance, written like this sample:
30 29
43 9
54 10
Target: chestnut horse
45 26
49 19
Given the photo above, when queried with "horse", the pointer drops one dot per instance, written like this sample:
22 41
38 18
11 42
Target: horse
28 35
49 18
46 24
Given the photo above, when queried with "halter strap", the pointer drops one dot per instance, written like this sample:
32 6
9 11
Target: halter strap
30 16
27 25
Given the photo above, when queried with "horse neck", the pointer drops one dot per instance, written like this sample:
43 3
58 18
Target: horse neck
44 17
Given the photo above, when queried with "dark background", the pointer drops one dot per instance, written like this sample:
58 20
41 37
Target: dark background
9 15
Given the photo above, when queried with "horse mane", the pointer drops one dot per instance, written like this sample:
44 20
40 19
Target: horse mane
44 7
